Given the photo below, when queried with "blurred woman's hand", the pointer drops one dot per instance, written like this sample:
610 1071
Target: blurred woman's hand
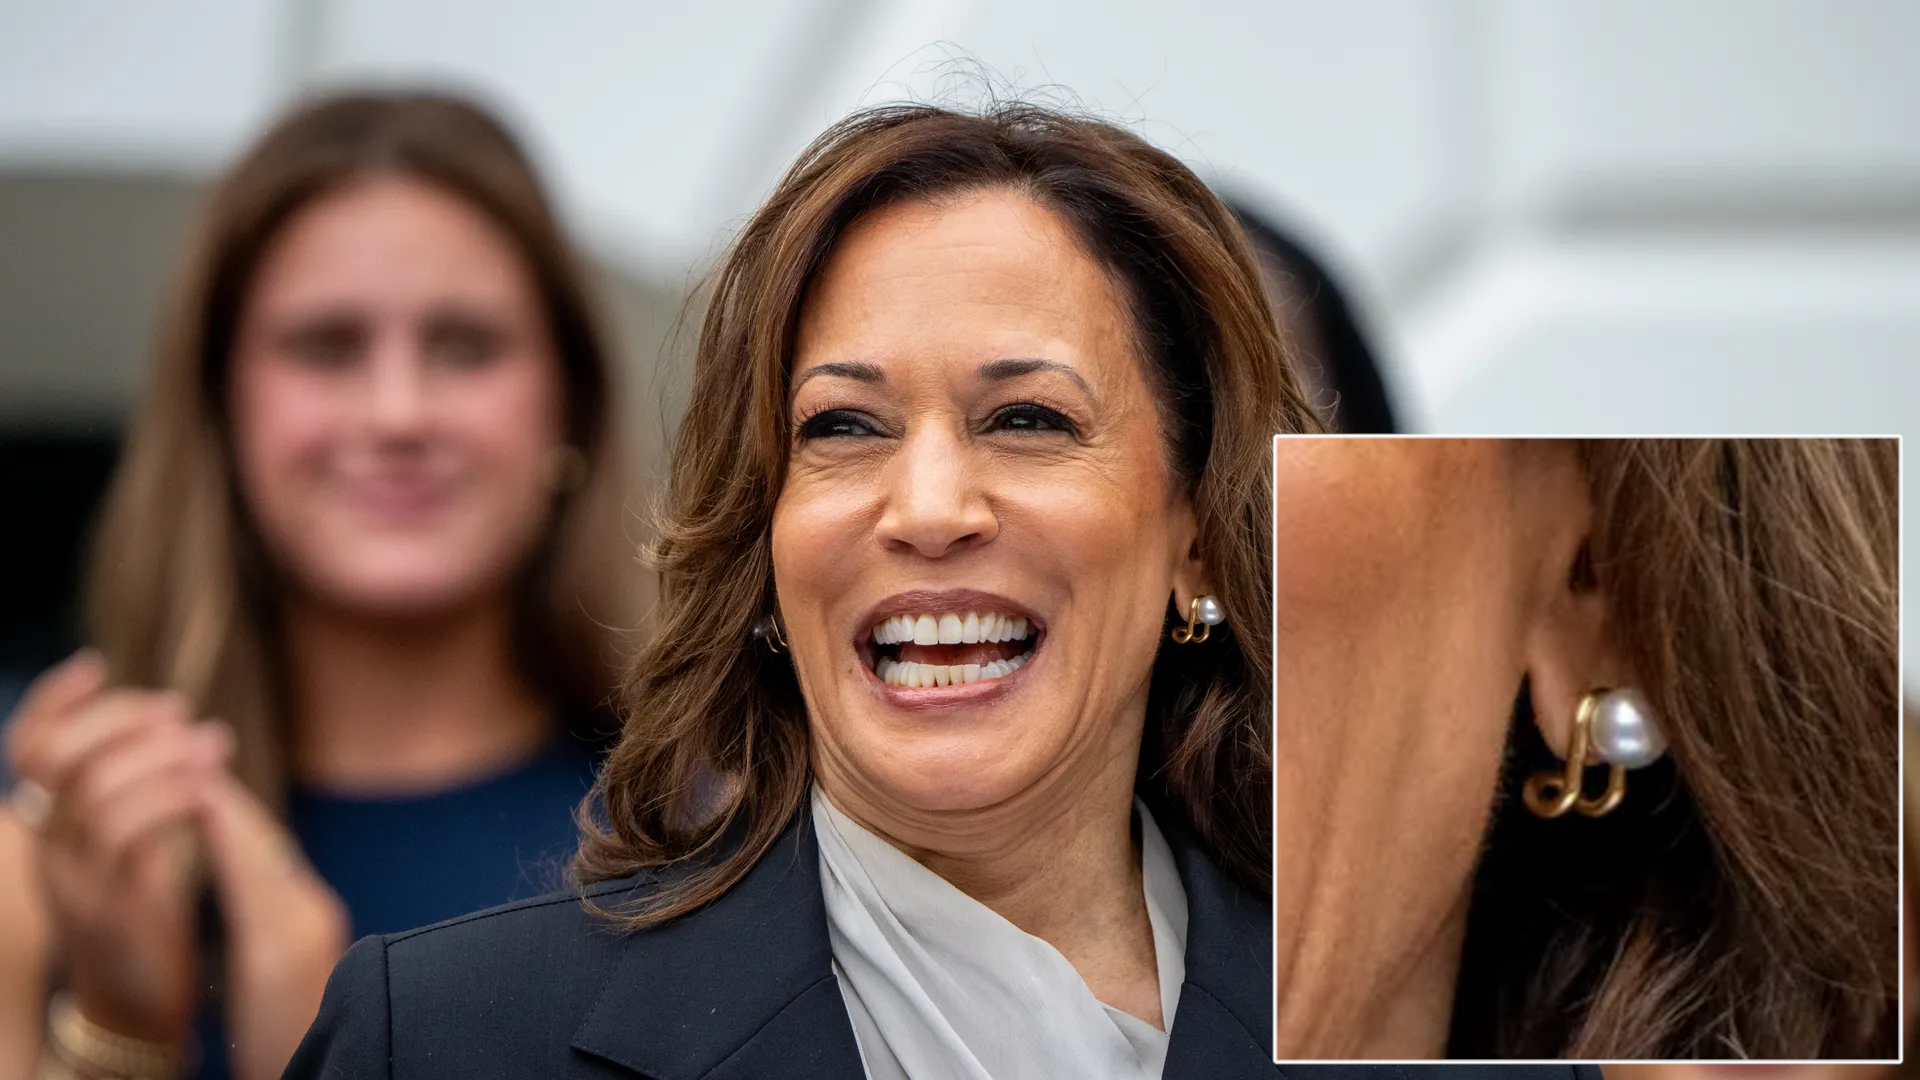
132 778
127 771
285 929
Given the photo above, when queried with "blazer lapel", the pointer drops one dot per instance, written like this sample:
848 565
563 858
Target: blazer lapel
1222 1025
743 987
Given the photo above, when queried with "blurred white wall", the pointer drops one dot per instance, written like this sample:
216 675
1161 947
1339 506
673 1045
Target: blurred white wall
1630 216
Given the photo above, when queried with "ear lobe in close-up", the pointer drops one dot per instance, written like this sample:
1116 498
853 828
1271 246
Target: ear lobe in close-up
1192 579
1569 650
1569 653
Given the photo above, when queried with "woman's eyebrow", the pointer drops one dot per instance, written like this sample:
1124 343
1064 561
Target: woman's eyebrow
846 369
999 370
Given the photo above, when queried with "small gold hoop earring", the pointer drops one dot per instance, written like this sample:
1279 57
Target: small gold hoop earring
566 469
767 629
1550 795
1204 612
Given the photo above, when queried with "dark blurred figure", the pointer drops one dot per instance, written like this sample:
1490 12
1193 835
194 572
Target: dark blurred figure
350 604
1336 365
54 481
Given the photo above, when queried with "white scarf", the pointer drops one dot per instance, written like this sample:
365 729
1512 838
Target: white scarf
941 987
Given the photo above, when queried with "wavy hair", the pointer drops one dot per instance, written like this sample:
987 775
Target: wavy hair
710 715
1748 905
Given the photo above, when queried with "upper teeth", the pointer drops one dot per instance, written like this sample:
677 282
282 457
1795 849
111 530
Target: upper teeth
949 629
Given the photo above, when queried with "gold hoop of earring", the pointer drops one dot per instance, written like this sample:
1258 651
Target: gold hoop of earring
1204 612
767 630
1615 728
566 468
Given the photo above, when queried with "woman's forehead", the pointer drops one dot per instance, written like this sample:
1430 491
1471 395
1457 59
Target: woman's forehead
985 278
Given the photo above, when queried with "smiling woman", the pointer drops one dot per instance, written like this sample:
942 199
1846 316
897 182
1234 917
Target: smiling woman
350 602
950 755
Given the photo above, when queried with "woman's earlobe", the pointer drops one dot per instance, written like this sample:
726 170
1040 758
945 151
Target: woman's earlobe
1580 576
1568 654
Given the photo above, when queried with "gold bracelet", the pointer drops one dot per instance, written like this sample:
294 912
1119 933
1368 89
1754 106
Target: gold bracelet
89 1048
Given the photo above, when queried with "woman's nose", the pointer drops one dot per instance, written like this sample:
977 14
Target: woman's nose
935 504
397 389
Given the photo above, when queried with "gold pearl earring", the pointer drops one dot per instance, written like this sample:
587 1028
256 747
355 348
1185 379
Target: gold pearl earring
1615 728
1206 613
565 468
767 631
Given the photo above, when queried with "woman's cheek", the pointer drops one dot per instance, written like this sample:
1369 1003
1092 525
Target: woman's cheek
286 425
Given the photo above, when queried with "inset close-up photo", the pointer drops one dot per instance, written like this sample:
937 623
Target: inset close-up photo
1587 748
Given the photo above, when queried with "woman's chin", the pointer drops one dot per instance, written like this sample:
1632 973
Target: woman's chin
949 775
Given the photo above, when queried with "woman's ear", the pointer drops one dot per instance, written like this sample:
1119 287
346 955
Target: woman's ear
1191 577
1568 644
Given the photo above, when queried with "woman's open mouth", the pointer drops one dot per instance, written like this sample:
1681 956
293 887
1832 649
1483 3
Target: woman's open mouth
919 650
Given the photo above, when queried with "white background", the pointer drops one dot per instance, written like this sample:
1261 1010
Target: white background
1630 216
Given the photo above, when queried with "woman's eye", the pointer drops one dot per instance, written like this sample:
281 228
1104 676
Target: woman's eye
1027 416
325 347
463 346
836 424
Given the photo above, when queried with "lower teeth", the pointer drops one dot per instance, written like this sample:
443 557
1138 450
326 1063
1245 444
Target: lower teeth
912 675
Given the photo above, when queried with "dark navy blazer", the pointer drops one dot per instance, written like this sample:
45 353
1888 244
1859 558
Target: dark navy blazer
744 987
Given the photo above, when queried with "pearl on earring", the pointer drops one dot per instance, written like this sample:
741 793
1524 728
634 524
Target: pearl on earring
1210 612
1616 727
766 630
1204 613
1626 731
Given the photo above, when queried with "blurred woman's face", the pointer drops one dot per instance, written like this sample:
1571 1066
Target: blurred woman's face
1417 582
979 529
395 394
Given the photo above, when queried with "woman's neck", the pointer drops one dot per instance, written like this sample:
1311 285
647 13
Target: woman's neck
1058 861
1343 992
391 706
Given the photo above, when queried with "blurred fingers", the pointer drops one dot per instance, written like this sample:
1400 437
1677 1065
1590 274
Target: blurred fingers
242 837
51 756
145 808
103 777
121 795
58 691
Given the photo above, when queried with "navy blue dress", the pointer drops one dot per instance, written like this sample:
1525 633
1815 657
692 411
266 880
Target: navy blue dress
400 863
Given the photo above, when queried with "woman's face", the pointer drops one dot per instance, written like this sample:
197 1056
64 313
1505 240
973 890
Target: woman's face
395 395
1416 583
979 529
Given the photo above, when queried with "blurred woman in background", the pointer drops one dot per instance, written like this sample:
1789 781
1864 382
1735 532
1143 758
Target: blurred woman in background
369 519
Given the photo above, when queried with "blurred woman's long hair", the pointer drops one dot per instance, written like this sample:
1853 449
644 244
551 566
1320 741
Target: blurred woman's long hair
181 594
1745 902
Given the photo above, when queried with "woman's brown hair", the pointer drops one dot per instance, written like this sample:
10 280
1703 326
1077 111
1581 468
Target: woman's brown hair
1745 901
709 713
181 594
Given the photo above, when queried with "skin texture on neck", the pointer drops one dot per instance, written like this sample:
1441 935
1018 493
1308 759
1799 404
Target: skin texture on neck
393 706
1446 567
1058 861
1415 1016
